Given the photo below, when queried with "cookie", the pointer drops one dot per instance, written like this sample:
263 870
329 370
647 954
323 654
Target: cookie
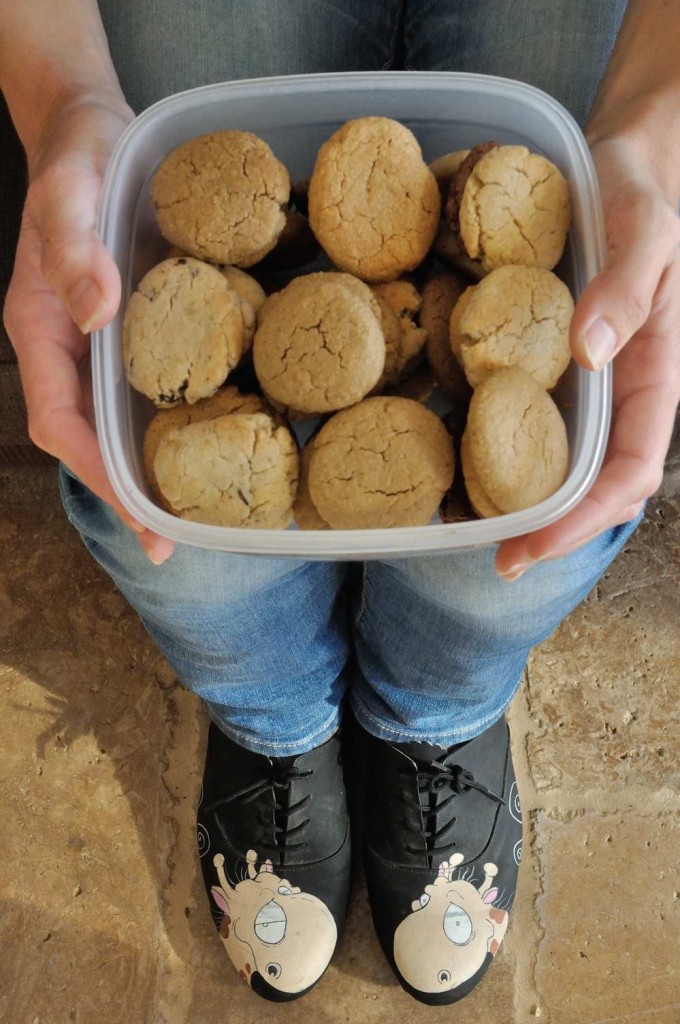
440 295
182 332
296 247
448 248
250 293
517 316
374 204
516 440
226 400
445 168
459 180
418 384
221 197
477 496
235 470
251 296
319 345
455 340
305 513
515 210
404 346
385 462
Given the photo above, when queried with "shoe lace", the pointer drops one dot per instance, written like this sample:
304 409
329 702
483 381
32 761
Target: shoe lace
277 781
433 779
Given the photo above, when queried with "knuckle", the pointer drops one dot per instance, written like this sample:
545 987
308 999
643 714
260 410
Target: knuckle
54 259
636 308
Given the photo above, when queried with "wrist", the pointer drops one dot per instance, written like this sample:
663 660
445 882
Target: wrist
85 120
648 124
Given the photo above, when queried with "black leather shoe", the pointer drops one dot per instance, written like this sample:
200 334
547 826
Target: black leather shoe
273 836
442 850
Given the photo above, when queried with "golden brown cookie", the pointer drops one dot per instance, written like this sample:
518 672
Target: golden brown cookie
478 498
305 512
445 168
226 400
221 197
404 346
250 293
517 316
385 462
374 204
319 345
455 340
516 441
182 333
515 210
251 296
440 295
235 470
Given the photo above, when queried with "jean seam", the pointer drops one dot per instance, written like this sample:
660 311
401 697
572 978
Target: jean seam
362 600
245 740
393 43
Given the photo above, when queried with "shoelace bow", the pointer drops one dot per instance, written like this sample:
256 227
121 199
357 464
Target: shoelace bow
279 779
432 778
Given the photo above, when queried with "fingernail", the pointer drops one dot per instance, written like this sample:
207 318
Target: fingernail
86 304
599 341
515 571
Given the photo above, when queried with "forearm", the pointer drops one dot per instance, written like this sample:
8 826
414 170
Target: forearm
640 91
51 53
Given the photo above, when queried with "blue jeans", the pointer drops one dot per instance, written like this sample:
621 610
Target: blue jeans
428 648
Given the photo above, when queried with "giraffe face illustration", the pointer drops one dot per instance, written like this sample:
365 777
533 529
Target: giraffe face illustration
452 928
272 928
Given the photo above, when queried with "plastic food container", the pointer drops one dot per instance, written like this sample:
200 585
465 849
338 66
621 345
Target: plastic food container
446 111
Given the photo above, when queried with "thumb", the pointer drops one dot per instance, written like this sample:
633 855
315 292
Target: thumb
73 260
643 235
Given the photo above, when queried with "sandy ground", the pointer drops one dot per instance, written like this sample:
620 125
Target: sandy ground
103 917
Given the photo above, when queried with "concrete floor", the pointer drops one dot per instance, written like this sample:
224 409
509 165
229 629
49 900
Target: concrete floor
103 917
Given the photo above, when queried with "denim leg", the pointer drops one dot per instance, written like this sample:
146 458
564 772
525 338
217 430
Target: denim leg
263 641
163 46
442 642
561 46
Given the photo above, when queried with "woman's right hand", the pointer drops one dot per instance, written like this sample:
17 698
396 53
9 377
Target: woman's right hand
64 285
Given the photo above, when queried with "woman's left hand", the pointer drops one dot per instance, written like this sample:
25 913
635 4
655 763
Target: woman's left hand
629 313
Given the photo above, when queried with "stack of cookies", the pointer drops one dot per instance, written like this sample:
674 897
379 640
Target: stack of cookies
357 347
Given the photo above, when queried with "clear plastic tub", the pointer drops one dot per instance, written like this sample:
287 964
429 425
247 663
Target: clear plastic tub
446 111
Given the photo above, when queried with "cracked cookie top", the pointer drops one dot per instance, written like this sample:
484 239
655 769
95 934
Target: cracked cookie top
515 209
226 400
385 462
221 197
516 441
183 332
517 316
440 295
374 204
319 345
234 470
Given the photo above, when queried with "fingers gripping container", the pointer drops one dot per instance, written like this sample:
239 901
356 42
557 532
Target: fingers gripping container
295 115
